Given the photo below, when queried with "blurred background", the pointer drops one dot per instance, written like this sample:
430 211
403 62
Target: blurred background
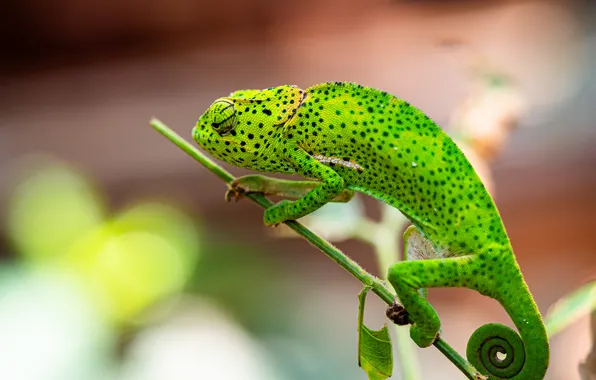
120 258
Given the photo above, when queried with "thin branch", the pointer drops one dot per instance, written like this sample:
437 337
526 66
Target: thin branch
327 248
381 236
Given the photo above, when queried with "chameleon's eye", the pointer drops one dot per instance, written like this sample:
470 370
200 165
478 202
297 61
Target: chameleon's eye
223 116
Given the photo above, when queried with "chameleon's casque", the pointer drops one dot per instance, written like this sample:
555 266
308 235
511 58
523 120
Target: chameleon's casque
348 136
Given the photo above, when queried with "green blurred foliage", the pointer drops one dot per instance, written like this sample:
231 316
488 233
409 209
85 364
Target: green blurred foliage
248 283
125 263
49 329
125 274
51 207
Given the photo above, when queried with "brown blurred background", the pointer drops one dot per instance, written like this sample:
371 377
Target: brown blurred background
79 81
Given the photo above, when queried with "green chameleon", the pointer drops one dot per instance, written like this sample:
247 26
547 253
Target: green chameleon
345 137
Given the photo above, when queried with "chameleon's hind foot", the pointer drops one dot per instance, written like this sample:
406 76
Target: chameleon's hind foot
398 314
278 213
421 337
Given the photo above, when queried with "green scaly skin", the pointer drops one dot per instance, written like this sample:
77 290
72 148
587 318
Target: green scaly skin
351 137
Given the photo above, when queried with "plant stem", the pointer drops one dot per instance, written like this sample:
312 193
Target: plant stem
335 254
381 236
327 248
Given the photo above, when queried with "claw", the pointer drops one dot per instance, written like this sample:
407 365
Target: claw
234 192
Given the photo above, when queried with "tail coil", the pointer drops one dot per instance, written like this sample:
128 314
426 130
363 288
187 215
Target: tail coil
496 350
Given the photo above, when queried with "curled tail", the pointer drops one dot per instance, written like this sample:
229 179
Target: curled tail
499 352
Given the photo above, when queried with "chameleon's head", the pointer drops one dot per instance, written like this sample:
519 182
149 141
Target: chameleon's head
241 129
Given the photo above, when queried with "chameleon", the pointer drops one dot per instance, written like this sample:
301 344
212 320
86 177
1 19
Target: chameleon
343 138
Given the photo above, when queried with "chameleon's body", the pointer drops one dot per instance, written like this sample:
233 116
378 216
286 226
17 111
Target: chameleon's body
351 137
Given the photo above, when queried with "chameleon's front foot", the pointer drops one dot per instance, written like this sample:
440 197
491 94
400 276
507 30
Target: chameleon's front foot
278 213
233 194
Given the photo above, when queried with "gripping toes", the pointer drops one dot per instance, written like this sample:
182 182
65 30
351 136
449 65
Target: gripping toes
408 277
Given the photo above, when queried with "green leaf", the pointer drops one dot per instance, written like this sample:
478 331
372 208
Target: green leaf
570 308
375 355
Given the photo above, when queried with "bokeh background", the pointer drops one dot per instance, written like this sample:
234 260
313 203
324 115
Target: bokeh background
119 257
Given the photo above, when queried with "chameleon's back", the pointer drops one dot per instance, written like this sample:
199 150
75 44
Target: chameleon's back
388 149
